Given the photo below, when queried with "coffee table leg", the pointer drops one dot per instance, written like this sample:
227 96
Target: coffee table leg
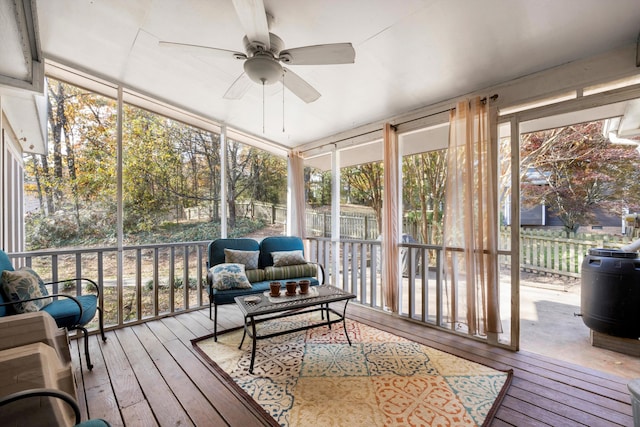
253 347
244 333
344 321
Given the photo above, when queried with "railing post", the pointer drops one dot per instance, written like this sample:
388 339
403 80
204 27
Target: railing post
324 225
366 227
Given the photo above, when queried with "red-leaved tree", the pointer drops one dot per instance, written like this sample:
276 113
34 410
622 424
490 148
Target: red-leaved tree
576 168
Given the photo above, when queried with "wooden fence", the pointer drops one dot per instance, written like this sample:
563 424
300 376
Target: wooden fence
551 252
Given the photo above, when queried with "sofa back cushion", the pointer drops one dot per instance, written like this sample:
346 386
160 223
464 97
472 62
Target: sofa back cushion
5 264
277 244
217 247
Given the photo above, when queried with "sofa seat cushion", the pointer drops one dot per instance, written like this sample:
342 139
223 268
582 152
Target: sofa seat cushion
291 271
66 312
227 296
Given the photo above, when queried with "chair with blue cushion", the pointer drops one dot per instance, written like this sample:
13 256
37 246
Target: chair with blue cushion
69 312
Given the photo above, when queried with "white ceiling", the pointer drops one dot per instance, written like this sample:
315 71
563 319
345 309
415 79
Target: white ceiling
409 53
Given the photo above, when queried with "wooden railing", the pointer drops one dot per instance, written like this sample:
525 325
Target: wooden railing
138 283
145 282
355 266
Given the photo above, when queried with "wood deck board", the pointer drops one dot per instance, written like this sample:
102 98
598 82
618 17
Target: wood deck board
224 399
560 408
148 365
139 414
77 372
187 393
164 404
123 380
100 395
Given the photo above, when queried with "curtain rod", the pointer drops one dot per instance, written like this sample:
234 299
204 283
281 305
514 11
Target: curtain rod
483 100
395 125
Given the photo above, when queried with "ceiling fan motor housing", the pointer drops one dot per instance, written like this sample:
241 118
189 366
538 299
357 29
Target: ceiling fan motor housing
263 69
276 44
262 66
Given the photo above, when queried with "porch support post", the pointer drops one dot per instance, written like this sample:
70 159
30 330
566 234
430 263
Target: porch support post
119 207
223 181
335 216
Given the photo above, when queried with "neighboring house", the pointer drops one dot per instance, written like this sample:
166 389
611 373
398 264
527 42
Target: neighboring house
540 217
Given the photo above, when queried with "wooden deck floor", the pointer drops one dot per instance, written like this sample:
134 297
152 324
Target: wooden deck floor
149 374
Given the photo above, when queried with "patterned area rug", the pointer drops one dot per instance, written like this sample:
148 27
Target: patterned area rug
314 378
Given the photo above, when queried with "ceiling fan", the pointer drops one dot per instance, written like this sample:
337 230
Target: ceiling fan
264 53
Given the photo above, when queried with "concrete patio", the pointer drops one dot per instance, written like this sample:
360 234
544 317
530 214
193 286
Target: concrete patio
549 325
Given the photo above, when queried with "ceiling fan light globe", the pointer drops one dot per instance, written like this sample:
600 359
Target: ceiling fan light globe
263 70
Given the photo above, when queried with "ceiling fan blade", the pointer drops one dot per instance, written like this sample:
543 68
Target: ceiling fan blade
253 19
336 53
238 88
299 87
202 50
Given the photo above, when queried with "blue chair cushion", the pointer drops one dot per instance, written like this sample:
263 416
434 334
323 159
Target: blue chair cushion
5 264
66 312
278 244
99 422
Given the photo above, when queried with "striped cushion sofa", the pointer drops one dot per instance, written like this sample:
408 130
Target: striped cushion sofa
274 259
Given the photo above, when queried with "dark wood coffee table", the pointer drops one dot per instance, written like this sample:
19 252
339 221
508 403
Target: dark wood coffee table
262 307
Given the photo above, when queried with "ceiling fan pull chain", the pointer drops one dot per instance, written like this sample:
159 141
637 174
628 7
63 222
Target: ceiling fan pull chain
263 106
283 102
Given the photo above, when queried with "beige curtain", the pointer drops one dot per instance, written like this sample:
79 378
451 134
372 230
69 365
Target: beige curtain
296 202
390 232
471 219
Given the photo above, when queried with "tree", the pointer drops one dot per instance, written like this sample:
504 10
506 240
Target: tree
268 178
364 186
239 160
576 168
425 175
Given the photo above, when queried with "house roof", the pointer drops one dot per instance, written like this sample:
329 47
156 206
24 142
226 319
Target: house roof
409 54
